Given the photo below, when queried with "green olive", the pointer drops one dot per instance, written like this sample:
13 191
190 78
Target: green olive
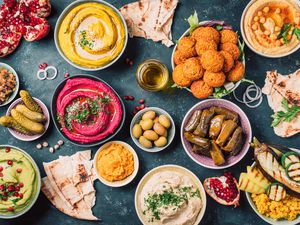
149 115
145 142
150 135
159 129
137 130
164 120
146 124
161 142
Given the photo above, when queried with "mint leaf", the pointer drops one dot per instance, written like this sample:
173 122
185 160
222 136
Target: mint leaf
193 21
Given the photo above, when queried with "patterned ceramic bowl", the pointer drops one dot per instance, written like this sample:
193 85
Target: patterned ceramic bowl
244 122
24 137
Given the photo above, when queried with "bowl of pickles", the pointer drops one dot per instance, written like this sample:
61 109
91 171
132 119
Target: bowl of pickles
216 133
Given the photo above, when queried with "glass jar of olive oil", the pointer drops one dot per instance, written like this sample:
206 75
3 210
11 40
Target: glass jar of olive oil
152 75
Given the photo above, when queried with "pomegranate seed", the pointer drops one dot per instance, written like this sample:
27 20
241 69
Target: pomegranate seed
1 174
127 60
16 194
21 195
10 209
126 97
4 198
17 188
5 194
137 108
2 187
142 101
44 65
130 97
1 168
142 106
41 66
7 149
19 170
67 75
10 162
10 188
131 63
21 184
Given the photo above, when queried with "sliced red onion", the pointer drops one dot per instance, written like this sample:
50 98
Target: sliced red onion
214 23
247 98
39 72
55 72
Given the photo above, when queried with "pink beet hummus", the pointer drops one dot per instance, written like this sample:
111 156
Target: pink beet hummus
88 110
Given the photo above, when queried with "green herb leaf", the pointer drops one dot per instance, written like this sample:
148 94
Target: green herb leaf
221 92
219 27
284 32
241 46
287 116
297 32
193 21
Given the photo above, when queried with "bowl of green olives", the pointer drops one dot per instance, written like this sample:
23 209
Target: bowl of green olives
152 129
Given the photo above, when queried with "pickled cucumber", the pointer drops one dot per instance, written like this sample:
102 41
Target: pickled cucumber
34 116
33 127
8 121
29 102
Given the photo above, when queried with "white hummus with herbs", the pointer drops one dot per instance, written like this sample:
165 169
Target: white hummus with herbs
272 27
170 198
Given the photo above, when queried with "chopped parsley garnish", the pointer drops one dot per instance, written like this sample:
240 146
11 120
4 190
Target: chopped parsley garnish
289 114
297 32
284 32
83 42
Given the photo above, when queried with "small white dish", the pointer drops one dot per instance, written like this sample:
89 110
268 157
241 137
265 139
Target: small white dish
138 117
14 94
173 168
128 179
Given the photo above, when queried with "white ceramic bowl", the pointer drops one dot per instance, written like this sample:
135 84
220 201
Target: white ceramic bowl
128 179
268 219
14 94
138 117
38 175
25 137
251 47
173 168
63 15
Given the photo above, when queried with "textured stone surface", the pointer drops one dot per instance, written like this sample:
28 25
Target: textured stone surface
116 205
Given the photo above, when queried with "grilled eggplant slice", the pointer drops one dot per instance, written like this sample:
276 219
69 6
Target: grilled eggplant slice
276 192
293 171
201 151
228 127
216 126
193 121
203 125
235 142
200 141
229 115
288 158
216 154
269 165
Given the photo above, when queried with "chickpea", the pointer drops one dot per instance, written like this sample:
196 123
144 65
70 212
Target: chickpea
290 32
259 13
278 43
277 28
254 27
282 40
278 10
256 18
159 129
267 32
161 142
146 124
137 130
150 135
149 115
266 9
164 120
145 142
273 36
262 20
289 37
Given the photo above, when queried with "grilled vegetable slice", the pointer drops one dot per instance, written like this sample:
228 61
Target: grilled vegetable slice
193 121
227 129
216 154
216 126
257 177
203 125
293 171
276 192
246 184
288 158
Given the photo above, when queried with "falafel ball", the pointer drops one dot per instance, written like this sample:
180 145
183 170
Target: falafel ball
178 57
233 49
214 79
192 69
228 61
186 46
206 33
212 61
179 78
204 45
200 89
228 36
237 73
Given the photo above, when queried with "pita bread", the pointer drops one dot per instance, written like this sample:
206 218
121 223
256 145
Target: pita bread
278 87
150 19
69 185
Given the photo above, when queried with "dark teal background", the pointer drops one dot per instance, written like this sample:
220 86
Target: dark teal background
116 205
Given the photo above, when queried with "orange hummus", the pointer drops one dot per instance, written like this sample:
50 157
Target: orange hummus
115 163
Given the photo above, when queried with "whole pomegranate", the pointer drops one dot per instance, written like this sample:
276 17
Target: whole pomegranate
223 189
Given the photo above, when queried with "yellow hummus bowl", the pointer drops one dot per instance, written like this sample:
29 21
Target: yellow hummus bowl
90 35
